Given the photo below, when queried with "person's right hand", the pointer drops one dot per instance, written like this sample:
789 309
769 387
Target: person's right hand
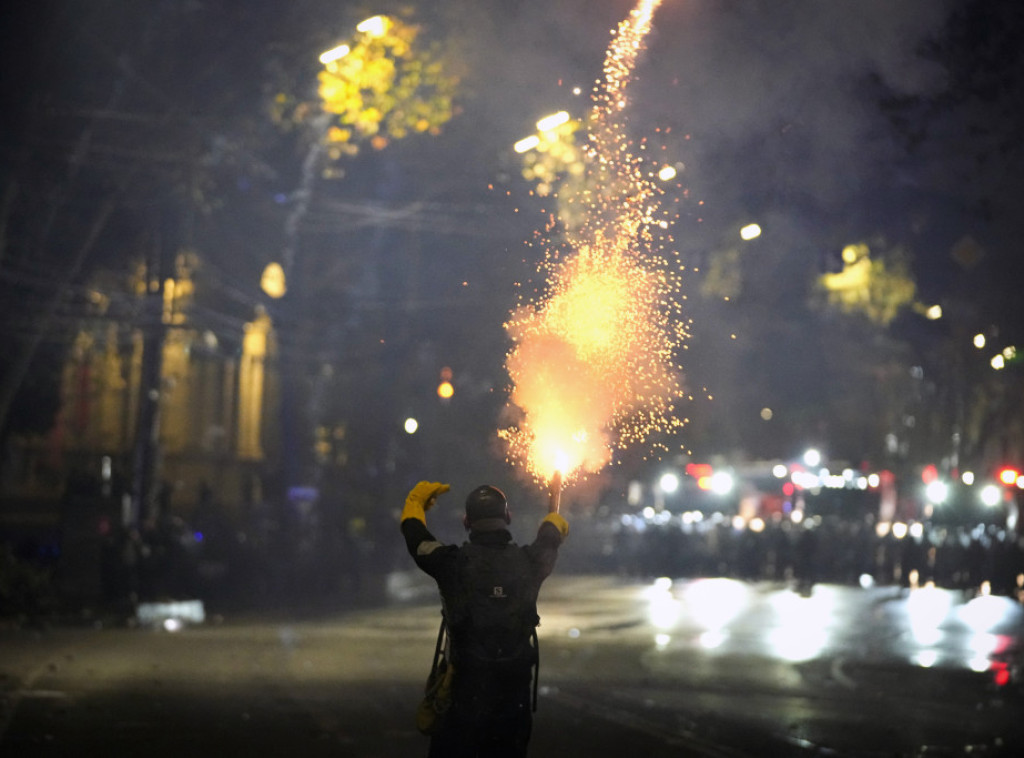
424 495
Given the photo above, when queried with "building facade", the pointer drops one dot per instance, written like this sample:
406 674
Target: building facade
216 404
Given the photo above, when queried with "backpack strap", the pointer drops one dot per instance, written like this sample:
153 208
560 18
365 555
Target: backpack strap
440 646
536 665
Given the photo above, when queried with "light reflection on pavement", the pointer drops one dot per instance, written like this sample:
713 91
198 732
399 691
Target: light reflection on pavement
829 669
704 667
927 625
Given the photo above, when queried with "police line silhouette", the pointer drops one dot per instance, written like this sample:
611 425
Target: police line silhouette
489 587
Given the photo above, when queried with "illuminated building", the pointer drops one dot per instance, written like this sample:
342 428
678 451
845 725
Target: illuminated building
217 402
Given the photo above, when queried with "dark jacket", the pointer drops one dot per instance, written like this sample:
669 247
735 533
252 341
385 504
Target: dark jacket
490 713
447 564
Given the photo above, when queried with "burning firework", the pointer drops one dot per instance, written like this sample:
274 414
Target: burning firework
592 364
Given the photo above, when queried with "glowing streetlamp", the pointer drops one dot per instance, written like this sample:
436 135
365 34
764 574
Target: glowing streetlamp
334 54
526 144
1008 355
722 482
668 483
375 26
544 125
553 121
990 495
273 281
750 232
936 491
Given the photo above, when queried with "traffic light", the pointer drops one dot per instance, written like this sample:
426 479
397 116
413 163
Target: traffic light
445 389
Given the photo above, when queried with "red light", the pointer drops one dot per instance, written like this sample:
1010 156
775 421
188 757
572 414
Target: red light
699 470
1002 677
788 489
929 474
1008 476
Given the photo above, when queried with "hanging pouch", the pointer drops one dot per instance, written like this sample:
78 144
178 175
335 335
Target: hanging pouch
437 693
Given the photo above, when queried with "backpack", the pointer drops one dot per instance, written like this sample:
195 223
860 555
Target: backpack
492 614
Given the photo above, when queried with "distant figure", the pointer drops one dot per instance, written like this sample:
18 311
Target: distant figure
489 587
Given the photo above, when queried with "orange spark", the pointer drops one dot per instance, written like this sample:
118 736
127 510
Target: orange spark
592 362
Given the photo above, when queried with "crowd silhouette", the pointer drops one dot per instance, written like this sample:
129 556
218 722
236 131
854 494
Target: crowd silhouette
817 549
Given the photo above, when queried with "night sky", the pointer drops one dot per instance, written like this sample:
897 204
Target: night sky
825 122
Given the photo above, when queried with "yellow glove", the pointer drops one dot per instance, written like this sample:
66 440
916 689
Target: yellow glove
559 523
421 499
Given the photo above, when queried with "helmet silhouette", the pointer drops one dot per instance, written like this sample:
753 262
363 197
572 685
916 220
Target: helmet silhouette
486 502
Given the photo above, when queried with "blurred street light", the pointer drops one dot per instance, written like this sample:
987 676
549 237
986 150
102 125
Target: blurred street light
990 495
375 26
546 124
334 54
273 282
526 144
553 121
936 491
551 155
722 483
1009 476
668 483
750 232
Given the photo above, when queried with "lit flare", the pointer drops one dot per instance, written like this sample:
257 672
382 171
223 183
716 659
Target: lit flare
592 361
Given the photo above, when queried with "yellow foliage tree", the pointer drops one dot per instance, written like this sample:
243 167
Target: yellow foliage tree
383 86
555 163
869 285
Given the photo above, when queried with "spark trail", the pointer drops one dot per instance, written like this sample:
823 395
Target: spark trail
592 363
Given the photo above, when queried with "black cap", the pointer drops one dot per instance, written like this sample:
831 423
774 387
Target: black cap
485 503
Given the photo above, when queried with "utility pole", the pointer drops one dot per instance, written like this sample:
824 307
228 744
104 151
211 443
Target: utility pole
145 459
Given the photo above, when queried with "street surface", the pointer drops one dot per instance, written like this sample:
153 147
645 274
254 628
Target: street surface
706 667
